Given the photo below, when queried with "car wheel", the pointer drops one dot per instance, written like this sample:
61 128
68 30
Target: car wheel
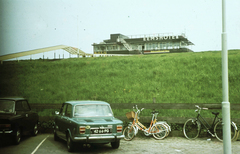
35 130
115 145
17 137
70 144
56 138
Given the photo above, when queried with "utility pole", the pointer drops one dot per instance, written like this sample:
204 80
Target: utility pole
225 104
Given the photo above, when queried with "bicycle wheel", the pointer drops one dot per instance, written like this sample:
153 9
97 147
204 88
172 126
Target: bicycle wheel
128 133
159 131
218 130
191 128
168 128
236 138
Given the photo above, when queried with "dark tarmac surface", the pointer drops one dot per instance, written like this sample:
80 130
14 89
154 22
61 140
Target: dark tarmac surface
45 144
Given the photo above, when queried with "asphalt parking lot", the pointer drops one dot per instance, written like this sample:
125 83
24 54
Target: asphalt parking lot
44 143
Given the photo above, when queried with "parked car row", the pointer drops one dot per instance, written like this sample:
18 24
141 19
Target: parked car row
78 122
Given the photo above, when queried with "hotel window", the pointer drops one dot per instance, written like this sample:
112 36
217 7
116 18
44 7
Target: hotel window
167 45
154 45
163 45
133 46
110 48
123 48
170 45
160 45
151 46
146 45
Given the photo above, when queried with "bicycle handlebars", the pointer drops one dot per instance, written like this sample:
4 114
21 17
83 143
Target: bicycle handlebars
201 108
138 111
155 112
137 108
198 108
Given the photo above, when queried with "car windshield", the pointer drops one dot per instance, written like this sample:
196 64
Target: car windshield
92 110
6 106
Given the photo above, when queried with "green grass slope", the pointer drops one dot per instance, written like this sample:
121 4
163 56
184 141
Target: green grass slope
170 78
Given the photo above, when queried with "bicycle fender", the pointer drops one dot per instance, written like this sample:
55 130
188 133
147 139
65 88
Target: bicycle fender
155 125
163 123
235 125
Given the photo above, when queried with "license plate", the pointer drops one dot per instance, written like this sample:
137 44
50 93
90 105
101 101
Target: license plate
101 131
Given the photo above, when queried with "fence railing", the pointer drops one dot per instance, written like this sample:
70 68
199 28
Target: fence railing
157 106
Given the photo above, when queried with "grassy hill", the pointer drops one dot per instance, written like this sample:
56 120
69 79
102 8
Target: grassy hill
170 78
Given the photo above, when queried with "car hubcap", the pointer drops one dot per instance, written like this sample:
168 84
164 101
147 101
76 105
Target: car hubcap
18 136
68 142
35 129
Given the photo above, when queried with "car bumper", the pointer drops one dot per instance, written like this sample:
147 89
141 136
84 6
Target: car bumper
88 138
6 131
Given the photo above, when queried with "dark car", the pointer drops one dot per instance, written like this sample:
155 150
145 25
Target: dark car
16 119
86 122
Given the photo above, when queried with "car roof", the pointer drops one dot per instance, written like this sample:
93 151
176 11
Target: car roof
12 98
85 102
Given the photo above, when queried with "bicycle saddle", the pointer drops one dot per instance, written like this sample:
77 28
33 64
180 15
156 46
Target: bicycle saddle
215 113
153 112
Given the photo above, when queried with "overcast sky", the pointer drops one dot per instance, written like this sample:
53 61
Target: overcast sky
32 24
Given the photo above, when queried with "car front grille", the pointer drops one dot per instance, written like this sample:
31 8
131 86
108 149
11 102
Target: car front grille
5 126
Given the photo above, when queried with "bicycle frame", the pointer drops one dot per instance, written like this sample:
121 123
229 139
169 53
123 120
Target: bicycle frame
137 125
205 123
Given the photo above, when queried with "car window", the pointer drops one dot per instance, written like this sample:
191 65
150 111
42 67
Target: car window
69 110
19 106
6 106
25 106
22 106
92 110
63 110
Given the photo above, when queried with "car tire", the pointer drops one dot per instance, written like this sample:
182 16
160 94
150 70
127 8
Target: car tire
115 145
17 137
56 138
35 130
70 144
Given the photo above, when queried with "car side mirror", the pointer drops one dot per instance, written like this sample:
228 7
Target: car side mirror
56 112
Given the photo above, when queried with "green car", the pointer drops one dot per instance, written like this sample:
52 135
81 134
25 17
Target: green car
86 122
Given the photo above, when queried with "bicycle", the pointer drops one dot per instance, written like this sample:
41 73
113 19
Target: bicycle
159 130
192 127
